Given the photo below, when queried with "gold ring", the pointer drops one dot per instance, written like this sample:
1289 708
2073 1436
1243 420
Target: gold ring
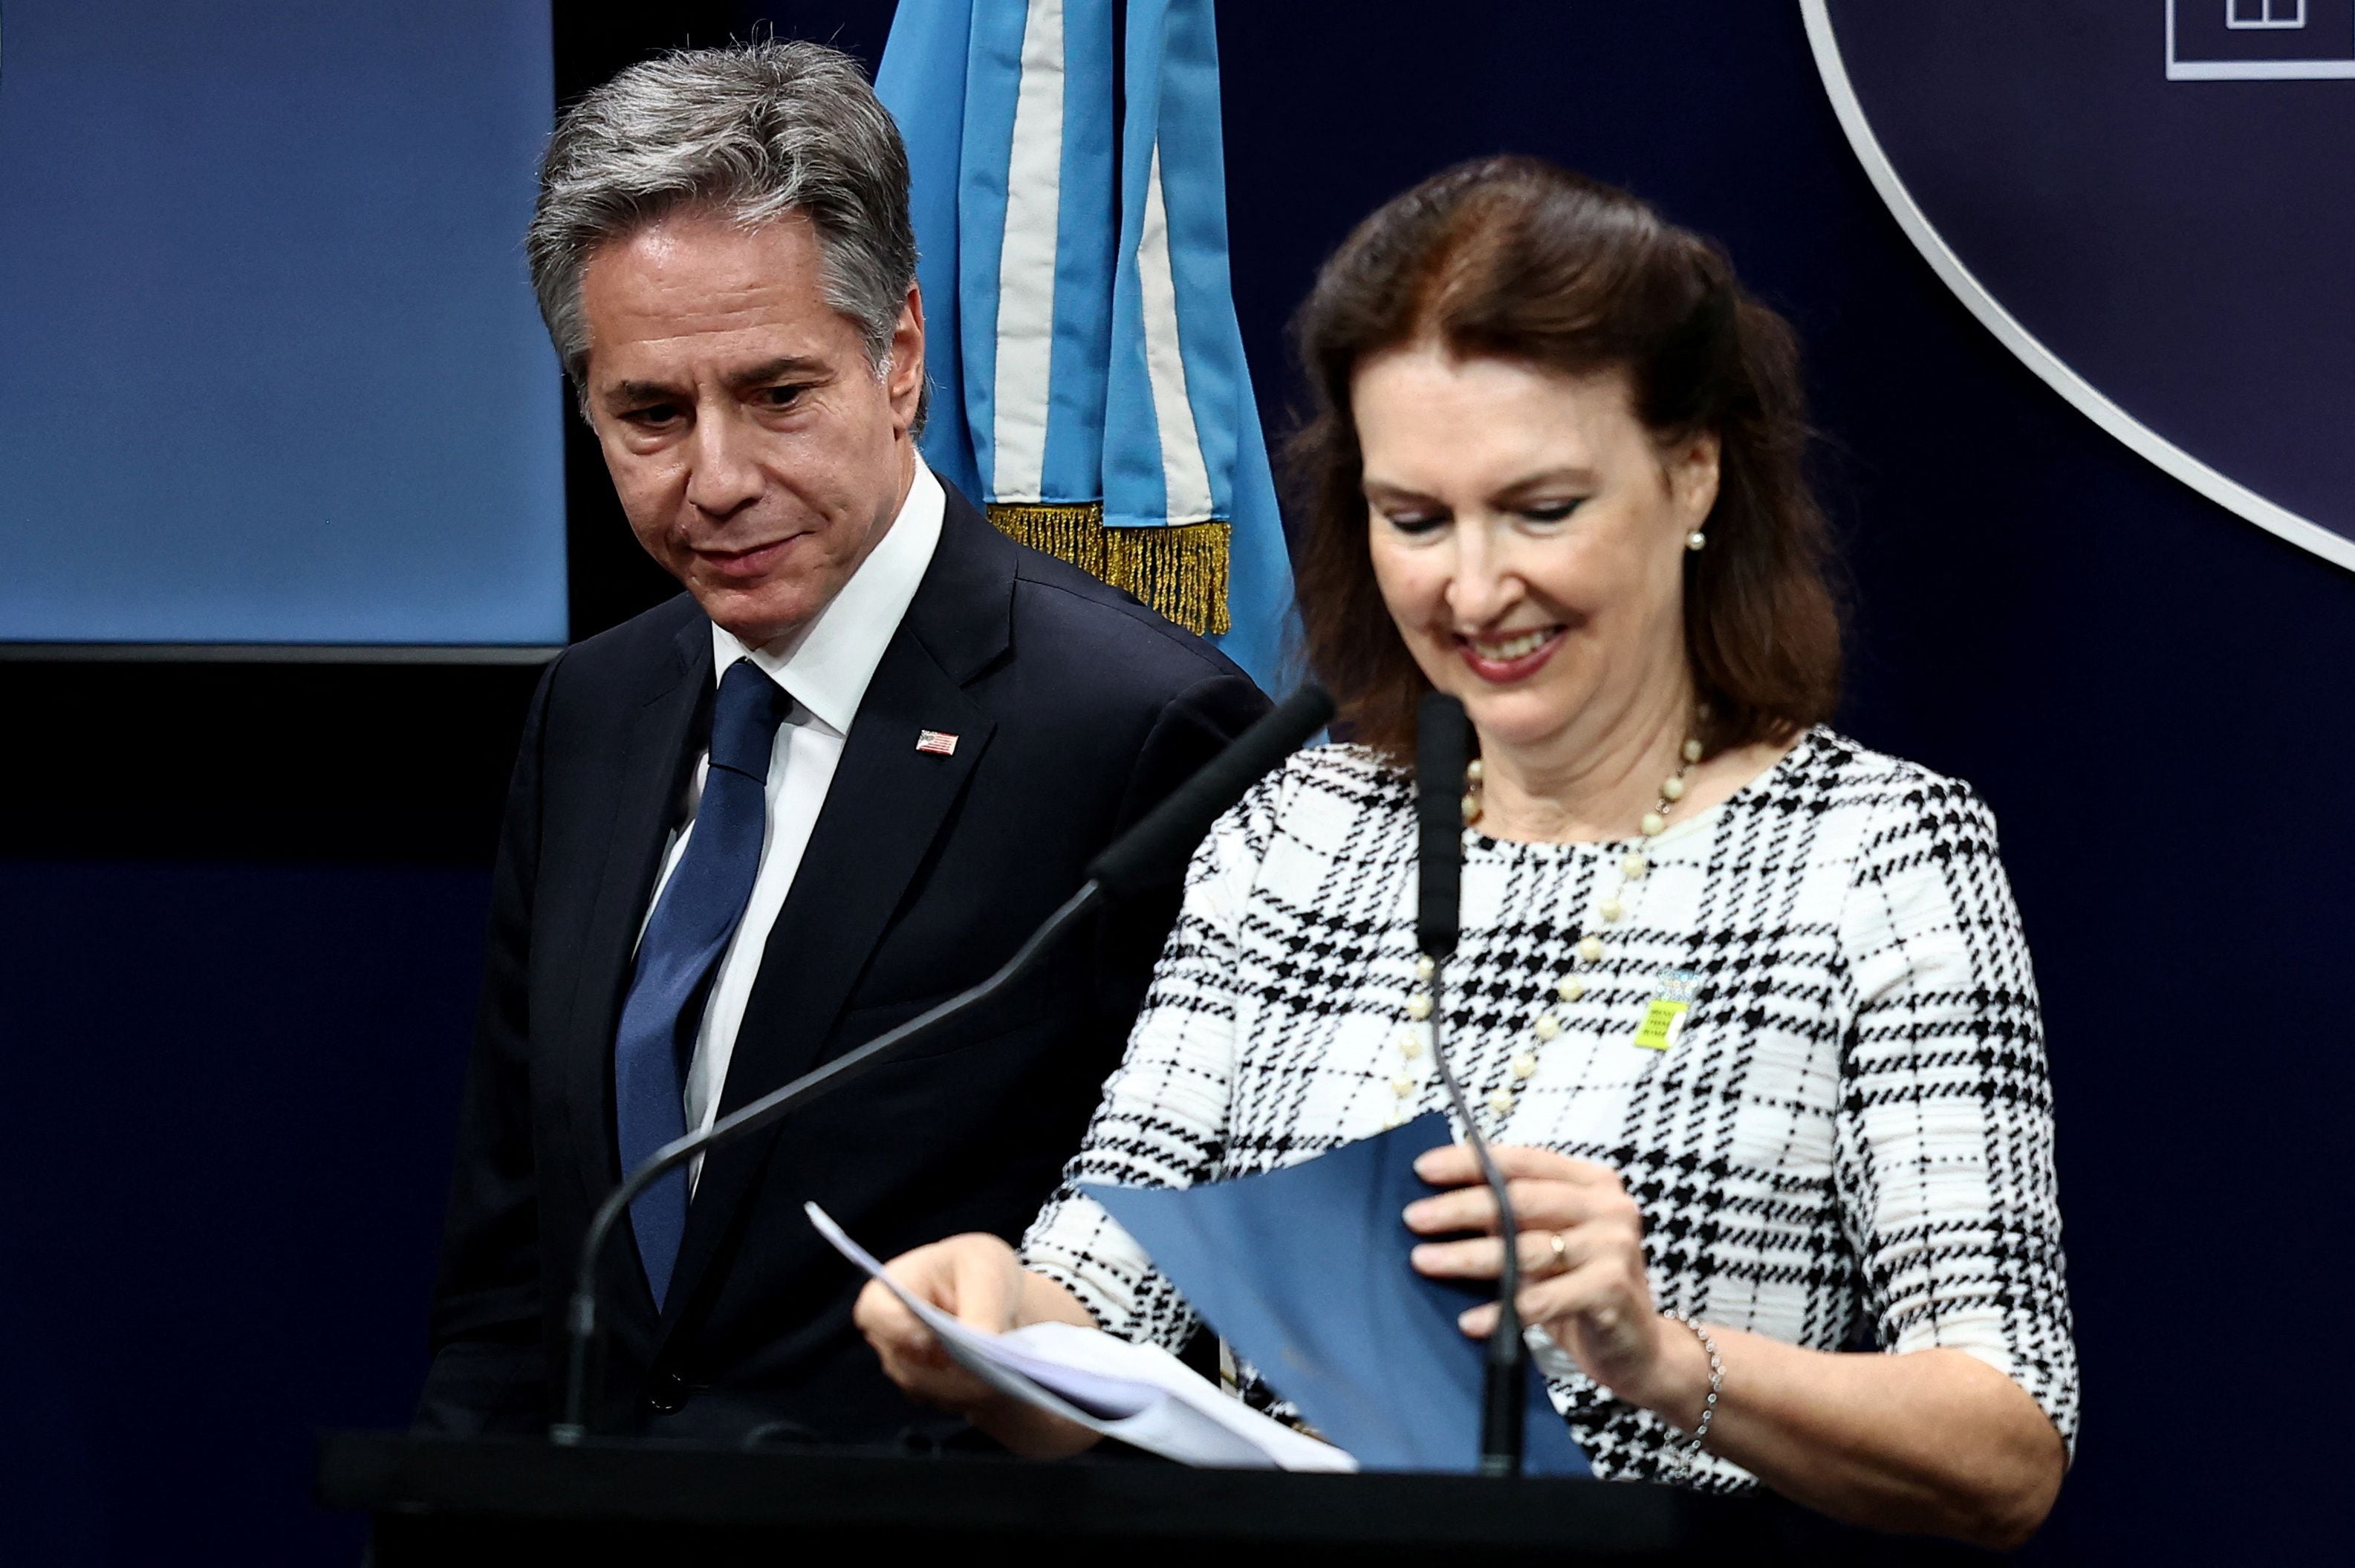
1561 1254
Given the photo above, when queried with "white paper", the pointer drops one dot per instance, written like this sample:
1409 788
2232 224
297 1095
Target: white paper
1141 1394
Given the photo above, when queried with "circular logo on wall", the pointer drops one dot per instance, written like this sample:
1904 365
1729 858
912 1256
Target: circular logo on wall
2150 204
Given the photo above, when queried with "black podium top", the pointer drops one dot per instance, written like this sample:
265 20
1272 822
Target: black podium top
449 1502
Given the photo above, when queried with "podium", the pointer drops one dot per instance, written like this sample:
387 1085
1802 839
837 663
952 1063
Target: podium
451 1502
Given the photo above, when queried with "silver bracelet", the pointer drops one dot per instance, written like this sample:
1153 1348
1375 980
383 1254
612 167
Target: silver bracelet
1684 1461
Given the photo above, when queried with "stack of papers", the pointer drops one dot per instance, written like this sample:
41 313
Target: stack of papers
1140 1394
1304 1272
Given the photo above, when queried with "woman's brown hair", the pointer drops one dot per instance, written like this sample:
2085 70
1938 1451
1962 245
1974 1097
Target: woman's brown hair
1517 258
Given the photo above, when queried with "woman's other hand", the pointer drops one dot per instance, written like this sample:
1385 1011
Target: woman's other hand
977 1279
1583 1278
1934 1439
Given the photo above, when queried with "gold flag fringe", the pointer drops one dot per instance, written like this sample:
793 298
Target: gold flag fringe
1180 570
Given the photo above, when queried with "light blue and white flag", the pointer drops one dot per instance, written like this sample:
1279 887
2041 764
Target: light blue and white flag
1089 380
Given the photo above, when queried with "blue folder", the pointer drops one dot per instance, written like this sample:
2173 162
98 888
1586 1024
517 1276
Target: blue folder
1304 1271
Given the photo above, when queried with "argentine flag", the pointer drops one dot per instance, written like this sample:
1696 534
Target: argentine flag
1089 380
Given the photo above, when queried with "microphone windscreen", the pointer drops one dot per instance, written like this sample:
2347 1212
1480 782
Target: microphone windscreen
1442 745
1155 851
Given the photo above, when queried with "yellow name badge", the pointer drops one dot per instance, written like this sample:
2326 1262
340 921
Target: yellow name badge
1664 1019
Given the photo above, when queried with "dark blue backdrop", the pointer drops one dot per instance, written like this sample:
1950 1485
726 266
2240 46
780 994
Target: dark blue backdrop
2176 243
2145 705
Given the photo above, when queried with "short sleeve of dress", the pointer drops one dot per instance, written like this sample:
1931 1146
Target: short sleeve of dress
1944 1159
1164 1115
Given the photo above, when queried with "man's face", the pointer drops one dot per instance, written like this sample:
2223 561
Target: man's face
758 453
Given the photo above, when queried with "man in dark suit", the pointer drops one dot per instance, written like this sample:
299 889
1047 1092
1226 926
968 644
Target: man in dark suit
840 779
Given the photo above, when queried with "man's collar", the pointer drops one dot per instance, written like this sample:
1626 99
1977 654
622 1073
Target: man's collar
825 665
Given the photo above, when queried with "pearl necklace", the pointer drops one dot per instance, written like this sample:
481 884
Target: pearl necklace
1522 1065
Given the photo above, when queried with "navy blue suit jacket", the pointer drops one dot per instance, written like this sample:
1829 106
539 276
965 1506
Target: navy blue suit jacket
1075 712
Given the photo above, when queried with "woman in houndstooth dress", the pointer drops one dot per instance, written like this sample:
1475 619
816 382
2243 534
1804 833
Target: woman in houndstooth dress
1744 1006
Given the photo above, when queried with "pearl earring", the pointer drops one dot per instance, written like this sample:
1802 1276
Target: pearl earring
1695 540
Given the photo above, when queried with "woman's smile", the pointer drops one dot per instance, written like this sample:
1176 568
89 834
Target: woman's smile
1502 658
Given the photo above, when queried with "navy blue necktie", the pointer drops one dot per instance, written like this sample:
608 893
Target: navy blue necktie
696 915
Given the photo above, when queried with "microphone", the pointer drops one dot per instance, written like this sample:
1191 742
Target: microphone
1442 745
1152 853
1443 750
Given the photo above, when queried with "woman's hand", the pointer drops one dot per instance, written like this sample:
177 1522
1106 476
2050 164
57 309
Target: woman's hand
1933 1440
1583 1279
977 1279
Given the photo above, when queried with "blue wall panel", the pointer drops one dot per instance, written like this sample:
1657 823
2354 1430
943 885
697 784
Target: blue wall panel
270 370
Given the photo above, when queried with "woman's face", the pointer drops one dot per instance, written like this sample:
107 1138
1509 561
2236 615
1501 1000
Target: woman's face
1529 536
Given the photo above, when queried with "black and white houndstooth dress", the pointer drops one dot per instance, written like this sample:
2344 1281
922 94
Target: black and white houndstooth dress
1846 1144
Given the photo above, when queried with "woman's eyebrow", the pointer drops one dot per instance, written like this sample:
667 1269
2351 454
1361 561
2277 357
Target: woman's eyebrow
1569 476
1383 490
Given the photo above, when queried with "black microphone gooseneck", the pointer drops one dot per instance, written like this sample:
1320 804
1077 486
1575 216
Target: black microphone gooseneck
1152 853
1442 745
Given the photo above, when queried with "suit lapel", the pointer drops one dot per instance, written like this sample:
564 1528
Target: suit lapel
886 805
655 764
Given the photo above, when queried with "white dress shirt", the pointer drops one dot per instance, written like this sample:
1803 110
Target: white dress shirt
824 667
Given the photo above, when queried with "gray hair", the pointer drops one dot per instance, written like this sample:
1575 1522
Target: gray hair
755 131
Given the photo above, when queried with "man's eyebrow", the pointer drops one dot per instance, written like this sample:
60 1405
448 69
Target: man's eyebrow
622 392
784 368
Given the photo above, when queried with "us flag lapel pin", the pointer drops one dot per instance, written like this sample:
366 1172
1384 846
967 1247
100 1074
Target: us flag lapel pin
938 742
